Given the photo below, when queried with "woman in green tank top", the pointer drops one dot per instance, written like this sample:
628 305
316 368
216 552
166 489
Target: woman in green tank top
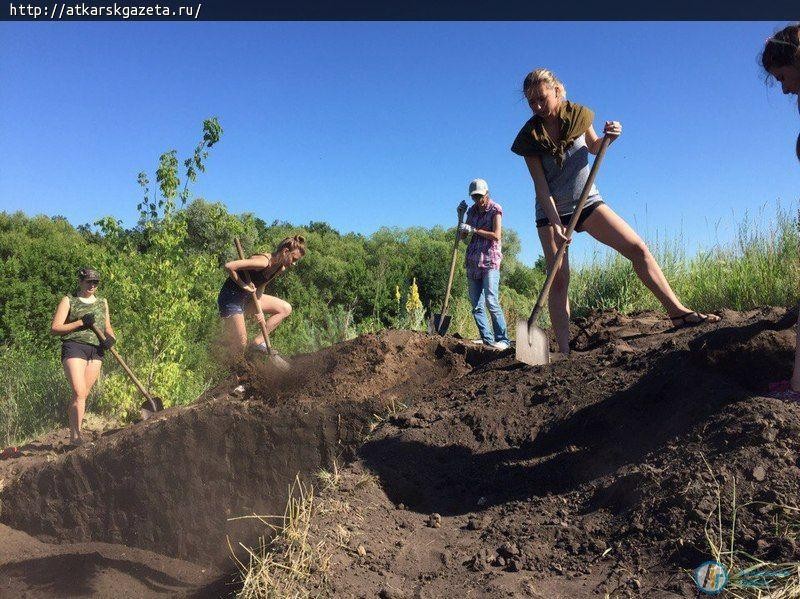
81 350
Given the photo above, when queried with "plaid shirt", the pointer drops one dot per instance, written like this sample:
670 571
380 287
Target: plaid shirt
483 254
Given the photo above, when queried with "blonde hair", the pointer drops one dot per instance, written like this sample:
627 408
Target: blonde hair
546 76
295 242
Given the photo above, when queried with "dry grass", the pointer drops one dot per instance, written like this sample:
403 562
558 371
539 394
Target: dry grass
749 576
393 409
281 566
293 559
330 479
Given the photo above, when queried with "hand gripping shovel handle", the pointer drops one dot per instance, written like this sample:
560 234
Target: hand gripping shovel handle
452 265
246 277
128 371
570 229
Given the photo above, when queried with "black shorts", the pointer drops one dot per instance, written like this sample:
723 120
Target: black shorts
78 349
585 213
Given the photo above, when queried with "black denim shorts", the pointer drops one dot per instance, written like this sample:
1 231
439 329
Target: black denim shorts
77 349
585 213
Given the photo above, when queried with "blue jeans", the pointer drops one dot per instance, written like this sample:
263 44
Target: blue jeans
487 289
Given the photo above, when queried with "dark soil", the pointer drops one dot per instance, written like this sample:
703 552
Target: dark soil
170 485
593 475
585 477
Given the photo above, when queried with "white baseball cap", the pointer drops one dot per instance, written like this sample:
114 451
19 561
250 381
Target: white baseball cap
478 187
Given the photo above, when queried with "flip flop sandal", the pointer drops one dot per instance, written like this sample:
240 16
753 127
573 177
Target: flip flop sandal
681 321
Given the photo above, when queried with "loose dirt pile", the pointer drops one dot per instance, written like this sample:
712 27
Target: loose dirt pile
170 485
595 475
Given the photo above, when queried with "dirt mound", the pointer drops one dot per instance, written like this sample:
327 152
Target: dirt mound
593 475
387 366
754 353
170 484
596 474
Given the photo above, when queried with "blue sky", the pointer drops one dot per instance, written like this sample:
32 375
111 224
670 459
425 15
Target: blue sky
366 125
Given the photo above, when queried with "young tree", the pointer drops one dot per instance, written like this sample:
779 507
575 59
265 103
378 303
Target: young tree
165 291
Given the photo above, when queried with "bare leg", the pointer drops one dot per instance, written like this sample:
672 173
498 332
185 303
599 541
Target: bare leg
75 369
92 373
275 310
558 300
236 330
608 228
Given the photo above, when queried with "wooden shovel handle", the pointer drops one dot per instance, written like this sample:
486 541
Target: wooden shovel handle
128 371
570 229
246 278
453 264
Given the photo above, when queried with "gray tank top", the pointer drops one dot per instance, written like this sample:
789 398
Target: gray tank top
566 183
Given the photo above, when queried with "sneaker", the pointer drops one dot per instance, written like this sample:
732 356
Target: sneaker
262 347
477 341
501 345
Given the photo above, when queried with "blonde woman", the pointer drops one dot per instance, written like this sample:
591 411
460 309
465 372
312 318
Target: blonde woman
556 143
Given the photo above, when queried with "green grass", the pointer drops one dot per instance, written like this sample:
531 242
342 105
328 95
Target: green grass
759 268
33 393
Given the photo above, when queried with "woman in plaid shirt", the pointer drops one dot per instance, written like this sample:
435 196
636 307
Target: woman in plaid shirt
484 253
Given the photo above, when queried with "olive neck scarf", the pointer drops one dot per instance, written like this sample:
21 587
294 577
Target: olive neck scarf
574 120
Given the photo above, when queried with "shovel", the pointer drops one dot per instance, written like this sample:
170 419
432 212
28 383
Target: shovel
532 345
439 323
276 360
152 404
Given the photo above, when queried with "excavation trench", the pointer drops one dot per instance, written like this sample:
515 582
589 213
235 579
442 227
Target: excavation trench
172 485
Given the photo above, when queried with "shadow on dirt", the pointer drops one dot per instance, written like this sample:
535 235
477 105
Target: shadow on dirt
73 575
753 355
674 397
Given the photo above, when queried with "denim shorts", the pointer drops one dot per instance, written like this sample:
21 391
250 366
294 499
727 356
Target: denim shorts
565 218
231 301
78 349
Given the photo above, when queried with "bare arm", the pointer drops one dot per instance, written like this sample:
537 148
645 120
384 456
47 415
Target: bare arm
497 229
543 197
613 129
60 326
253 263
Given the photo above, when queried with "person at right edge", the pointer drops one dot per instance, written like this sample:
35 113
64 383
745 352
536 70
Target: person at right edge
556 143
781 60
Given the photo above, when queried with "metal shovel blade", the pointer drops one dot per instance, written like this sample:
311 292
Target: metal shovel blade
150 406
532 345
439 324
279 362
270 355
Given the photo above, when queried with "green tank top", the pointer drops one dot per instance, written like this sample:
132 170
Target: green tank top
77 309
